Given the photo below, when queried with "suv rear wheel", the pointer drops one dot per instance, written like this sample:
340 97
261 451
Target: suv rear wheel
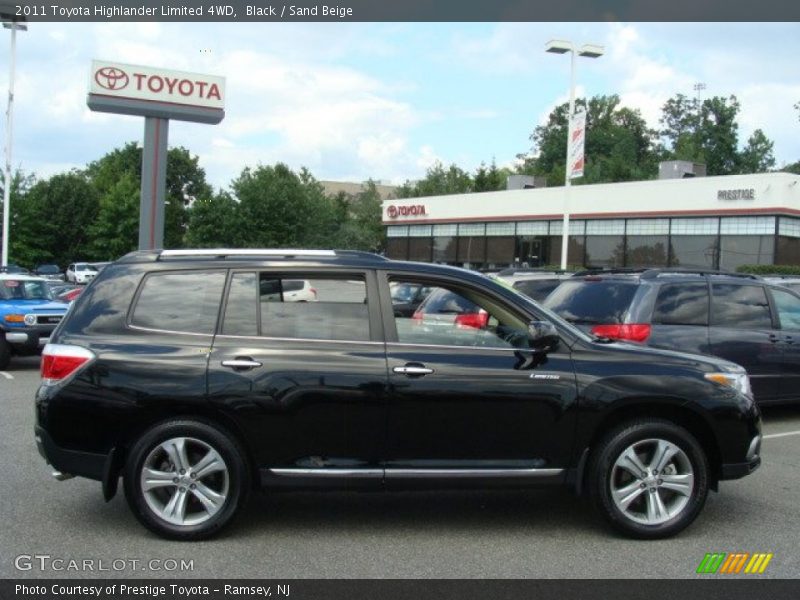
186 479
649 478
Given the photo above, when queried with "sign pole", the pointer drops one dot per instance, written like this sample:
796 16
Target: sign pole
154 183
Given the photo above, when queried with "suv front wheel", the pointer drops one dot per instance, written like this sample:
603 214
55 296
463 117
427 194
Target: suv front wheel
649 478
186 479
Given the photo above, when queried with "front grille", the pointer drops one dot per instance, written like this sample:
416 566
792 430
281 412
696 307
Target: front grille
48 319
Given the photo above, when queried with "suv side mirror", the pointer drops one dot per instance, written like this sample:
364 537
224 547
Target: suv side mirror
543 335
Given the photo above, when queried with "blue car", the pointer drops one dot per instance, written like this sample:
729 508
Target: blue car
28 314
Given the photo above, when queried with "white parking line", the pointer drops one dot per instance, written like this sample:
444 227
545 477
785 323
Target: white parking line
777 435
6 375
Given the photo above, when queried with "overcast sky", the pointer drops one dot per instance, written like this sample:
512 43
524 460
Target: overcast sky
357 100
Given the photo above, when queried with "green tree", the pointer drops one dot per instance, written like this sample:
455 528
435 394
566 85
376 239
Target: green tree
50 221
115 232
619 145
438 181
757 156
280 208
185 182
360 226
489 179
708 132
215 222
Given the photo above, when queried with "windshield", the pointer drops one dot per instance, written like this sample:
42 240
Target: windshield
85 267
404 292
20 289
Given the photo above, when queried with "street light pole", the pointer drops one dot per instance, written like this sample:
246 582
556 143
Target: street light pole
13 26
588 51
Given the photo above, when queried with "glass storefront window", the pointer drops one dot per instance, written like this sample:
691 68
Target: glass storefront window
420 249
444 249
646 251
397 248
500 251
698 251
604 251
576 253
788 250
737 250
472 250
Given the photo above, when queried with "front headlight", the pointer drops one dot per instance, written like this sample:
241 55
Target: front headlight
737 380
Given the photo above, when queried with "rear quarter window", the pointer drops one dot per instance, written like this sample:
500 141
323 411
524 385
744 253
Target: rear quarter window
682 304
186 302
592 301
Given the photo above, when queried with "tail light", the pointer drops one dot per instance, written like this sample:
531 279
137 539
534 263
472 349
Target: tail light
476 320
634 332
314 292
60 361
417 317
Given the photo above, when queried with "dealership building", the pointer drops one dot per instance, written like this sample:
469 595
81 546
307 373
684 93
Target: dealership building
678 220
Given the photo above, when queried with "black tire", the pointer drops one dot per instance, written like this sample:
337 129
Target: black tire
5 353
635 519
233 483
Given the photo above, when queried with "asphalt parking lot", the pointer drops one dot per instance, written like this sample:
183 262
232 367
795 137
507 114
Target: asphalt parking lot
546 533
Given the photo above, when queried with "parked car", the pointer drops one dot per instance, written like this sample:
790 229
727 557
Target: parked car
70 295
27 316
536 284
185 374
741 318
789 281
406 297
14 270
80 273
49 272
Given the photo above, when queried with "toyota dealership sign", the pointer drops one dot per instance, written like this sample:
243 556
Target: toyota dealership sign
156 85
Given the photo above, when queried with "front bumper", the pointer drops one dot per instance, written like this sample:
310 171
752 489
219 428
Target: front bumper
72 462
29 339
753 461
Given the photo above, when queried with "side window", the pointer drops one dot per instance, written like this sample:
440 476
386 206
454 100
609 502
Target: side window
788 306
682 304
316 308
186 302
741 306
454 316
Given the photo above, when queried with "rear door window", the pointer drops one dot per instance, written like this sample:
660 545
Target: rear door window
682 304
589 302
742 306
312 308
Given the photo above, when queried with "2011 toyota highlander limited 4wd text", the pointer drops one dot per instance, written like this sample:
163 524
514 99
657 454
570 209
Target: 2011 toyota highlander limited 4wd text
192 376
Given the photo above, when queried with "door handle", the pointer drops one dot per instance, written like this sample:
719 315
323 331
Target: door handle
412 370
774 338
788 339
241 364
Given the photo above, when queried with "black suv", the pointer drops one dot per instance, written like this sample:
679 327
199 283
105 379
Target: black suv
174 371
741 318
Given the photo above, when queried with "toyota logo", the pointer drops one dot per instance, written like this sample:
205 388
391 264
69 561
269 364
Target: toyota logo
111 78
392 211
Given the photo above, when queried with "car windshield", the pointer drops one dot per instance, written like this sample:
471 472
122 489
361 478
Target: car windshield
85 267
20 289
403 292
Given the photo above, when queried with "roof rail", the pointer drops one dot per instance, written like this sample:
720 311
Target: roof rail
287 253
607 271
653 273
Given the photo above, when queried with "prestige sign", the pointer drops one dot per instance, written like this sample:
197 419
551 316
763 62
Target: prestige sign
156 85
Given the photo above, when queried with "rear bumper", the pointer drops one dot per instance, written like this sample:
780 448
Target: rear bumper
72 462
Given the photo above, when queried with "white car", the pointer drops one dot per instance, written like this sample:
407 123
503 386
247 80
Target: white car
81 273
